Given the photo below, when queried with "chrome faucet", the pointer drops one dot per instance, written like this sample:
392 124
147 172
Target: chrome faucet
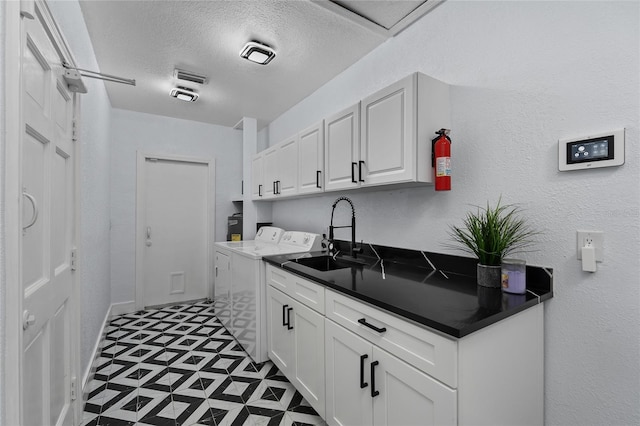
353 249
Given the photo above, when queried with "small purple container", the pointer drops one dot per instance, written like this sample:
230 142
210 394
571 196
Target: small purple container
514 276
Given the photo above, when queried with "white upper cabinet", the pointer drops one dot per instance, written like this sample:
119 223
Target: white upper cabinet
279 171
270 172
257 177
388 145
397 125
287 167
384 139
342 149
311 159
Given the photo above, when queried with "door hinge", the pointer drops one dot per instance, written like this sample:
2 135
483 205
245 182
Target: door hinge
74 258
74 130
74 385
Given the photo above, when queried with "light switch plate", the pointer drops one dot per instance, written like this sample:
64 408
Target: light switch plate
597 240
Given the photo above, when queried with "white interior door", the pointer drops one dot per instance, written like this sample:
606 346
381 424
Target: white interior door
174 229
48 223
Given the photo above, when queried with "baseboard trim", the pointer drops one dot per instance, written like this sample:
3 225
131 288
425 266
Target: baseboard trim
91 368
123 308
115 309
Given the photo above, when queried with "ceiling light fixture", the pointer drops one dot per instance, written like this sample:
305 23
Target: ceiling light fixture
258 53
184 94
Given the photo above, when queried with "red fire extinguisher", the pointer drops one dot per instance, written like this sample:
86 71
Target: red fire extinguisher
441 160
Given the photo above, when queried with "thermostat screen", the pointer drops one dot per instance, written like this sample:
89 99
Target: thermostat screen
590 150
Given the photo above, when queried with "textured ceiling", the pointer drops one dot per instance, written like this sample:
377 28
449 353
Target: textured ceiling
146 40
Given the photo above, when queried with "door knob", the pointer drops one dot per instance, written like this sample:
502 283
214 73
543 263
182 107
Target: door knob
28 319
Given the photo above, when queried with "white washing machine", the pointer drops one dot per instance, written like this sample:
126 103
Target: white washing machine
223 276
240 283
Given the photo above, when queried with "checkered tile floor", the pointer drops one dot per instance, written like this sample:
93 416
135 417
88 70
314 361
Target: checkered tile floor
179 366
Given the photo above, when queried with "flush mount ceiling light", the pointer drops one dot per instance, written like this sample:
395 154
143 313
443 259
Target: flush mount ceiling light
184 94
258 53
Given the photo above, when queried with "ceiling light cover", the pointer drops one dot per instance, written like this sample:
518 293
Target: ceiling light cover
184 94
258 53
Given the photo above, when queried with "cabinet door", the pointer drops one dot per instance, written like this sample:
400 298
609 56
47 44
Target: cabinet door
348 380
408 396
280 335
388 145
342 149
222 288
311 160
309 355
270 171
257 175
288 167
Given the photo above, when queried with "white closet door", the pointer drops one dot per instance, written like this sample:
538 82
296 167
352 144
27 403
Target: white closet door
48 223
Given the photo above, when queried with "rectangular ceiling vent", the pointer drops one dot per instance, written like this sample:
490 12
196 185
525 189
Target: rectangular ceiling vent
189 76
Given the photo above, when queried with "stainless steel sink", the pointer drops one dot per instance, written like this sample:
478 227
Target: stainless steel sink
327 263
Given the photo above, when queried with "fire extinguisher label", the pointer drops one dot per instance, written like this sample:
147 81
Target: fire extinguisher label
443 166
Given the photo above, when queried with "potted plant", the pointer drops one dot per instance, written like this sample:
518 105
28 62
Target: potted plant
491 234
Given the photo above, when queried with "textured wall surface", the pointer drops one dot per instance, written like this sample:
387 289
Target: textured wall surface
133 131
523 75
95 194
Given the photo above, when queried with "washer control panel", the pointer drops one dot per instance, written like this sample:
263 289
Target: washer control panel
307 241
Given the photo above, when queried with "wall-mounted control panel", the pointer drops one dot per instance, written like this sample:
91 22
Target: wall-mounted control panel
591 151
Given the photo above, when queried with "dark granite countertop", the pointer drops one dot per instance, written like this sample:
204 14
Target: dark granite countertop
436 290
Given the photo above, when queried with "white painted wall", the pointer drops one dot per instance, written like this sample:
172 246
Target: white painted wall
133 131
95 195
523 75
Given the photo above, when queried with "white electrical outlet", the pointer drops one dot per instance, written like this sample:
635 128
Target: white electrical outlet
593 238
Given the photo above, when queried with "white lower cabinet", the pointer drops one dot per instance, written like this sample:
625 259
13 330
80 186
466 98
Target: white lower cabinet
296 345
280 332
347 356
368 386
358 365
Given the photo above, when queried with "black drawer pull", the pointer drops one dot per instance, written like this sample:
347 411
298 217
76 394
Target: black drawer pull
260 190
289 326
363 384
360 171
374 392
371 326
318 179
353 172
284 315
275 191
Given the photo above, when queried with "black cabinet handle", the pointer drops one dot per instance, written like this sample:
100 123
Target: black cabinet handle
371 326
260 190
374 392
284 315
360 164
274 188
318 179
363 384
278 186
353 173
289 326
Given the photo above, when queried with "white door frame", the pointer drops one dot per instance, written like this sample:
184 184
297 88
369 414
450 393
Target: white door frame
140 217
12 345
